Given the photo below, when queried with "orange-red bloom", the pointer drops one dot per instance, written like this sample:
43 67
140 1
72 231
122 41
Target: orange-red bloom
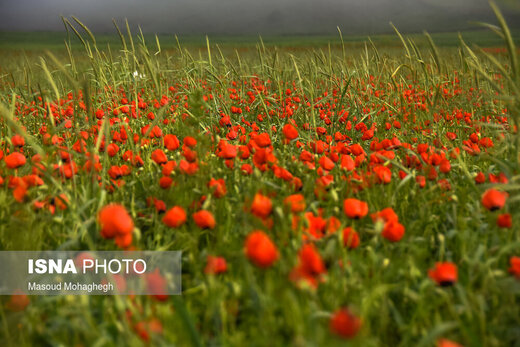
355 208
261 206
505 220
114 221
218 187
345 324
15 160
215 265
174 217
289 132
18 302
310 267
159 157
444 274
350 238
260 250
447 343
296 203
493 199
393 231
204 219
514 268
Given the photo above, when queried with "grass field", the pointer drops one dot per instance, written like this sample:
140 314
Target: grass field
358 193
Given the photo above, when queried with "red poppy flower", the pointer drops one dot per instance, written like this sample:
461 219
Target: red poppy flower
261 206
15 160
345 324
393 231
146 328
123 240
190 141
445 274
310 267
174 217
17 140
260 250
115 220
514 268
263 140
333 224
165 182
215 265
350 238
493 199
386 214
310 260
168 168
171 142
504 220
355 208
326 163
157 285
204 219
159 157
480 178
18 301
218 187
296 203
112 149
447 343
290 132
383 174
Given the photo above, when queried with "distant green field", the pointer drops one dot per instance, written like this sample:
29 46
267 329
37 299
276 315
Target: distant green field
55 40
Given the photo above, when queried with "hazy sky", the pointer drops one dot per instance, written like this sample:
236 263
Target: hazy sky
251 16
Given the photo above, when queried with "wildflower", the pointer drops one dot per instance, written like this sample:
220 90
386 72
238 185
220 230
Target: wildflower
159 157
18 301
310 267
15 160
355 208
493 199
174 217
444 274
261 206
447 343
393 231
260 250
345 324
514 268
290 132
504 220
115 220
350 238
218 187
215 265
171 142
204 219
295 202
157 285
